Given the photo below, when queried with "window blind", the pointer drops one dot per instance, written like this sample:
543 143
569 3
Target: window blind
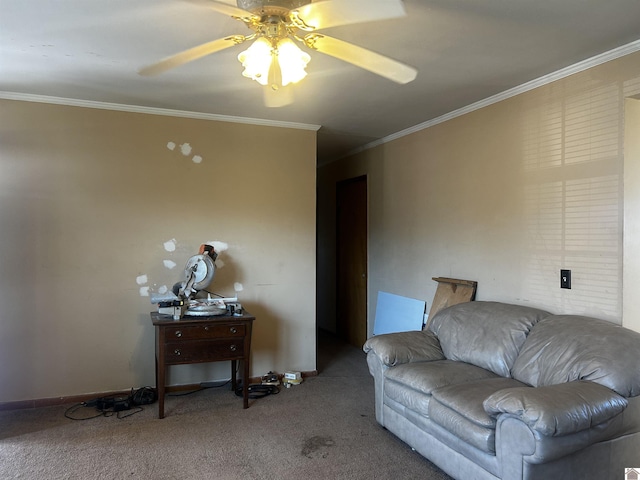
572 164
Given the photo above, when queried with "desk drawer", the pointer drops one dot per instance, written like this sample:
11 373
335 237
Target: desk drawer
203 351
204 331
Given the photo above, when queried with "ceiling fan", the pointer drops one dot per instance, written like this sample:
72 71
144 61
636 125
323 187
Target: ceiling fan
274 60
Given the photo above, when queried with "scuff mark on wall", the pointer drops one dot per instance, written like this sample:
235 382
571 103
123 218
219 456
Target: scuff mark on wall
170 245
219 246
185 148
142 280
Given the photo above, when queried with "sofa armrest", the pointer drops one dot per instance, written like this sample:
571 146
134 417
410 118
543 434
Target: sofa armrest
557 410
405 347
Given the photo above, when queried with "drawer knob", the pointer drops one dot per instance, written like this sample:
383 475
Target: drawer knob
233 348
178 333
233 330
177 351
206 328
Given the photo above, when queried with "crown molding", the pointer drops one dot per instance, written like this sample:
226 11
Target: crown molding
25 97
627 49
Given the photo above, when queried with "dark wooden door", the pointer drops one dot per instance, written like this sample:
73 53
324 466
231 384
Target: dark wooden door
351 253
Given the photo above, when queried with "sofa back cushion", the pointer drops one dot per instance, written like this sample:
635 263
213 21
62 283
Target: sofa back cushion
565 348
486 334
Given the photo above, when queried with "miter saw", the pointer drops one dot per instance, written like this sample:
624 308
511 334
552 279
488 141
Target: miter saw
187 297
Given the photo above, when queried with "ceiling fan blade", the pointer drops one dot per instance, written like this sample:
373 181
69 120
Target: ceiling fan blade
192 54
361 57
226 8
332 13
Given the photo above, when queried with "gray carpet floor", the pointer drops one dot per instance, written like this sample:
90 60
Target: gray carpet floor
324 428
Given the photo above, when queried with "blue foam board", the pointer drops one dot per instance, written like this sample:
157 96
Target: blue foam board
395 313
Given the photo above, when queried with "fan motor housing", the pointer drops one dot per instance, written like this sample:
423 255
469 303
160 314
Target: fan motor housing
271 6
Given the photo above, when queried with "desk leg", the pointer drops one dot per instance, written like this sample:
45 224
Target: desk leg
245 383
234 383
160 377
160 388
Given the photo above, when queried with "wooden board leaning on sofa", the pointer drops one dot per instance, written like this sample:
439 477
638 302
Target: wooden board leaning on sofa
451 291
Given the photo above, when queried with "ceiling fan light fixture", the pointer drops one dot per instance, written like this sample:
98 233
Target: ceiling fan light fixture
274 66
292 60
256 60
274 59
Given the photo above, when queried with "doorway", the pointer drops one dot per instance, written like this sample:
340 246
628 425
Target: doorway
351 260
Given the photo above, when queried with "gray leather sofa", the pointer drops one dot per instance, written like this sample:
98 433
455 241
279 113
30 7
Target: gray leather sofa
491 390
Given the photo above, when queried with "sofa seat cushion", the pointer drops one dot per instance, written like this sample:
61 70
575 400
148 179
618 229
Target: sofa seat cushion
412 384
459 408
486 334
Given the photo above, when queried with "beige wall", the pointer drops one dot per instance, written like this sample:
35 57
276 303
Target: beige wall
631 281
506 195
92 204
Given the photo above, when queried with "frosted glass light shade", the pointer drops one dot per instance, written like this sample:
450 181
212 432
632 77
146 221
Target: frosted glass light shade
256 60
292 60
274 66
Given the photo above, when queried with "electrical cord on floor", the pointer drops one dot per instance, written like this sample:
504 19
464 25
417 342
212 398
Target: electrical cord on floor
143 396
258 390
203 386
115 404
70 413
73 409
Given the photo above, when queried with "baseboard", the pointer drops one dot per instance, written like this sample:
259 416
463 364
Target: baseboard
71 400
57 401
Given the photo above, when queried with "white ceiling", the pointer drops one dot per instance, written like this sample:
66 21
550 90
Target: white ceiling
465 51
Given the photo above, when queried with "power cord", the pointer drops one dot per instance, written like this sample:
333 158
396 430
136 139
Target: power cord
258 390
115 404
203 386
143 396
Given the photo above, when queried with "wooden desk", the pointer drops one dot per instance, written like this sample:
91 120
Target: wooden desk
199 340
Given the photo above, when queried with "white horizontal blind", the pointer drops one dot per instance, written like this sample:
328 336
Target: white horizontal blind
592 125
543 134
632 88
572 162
